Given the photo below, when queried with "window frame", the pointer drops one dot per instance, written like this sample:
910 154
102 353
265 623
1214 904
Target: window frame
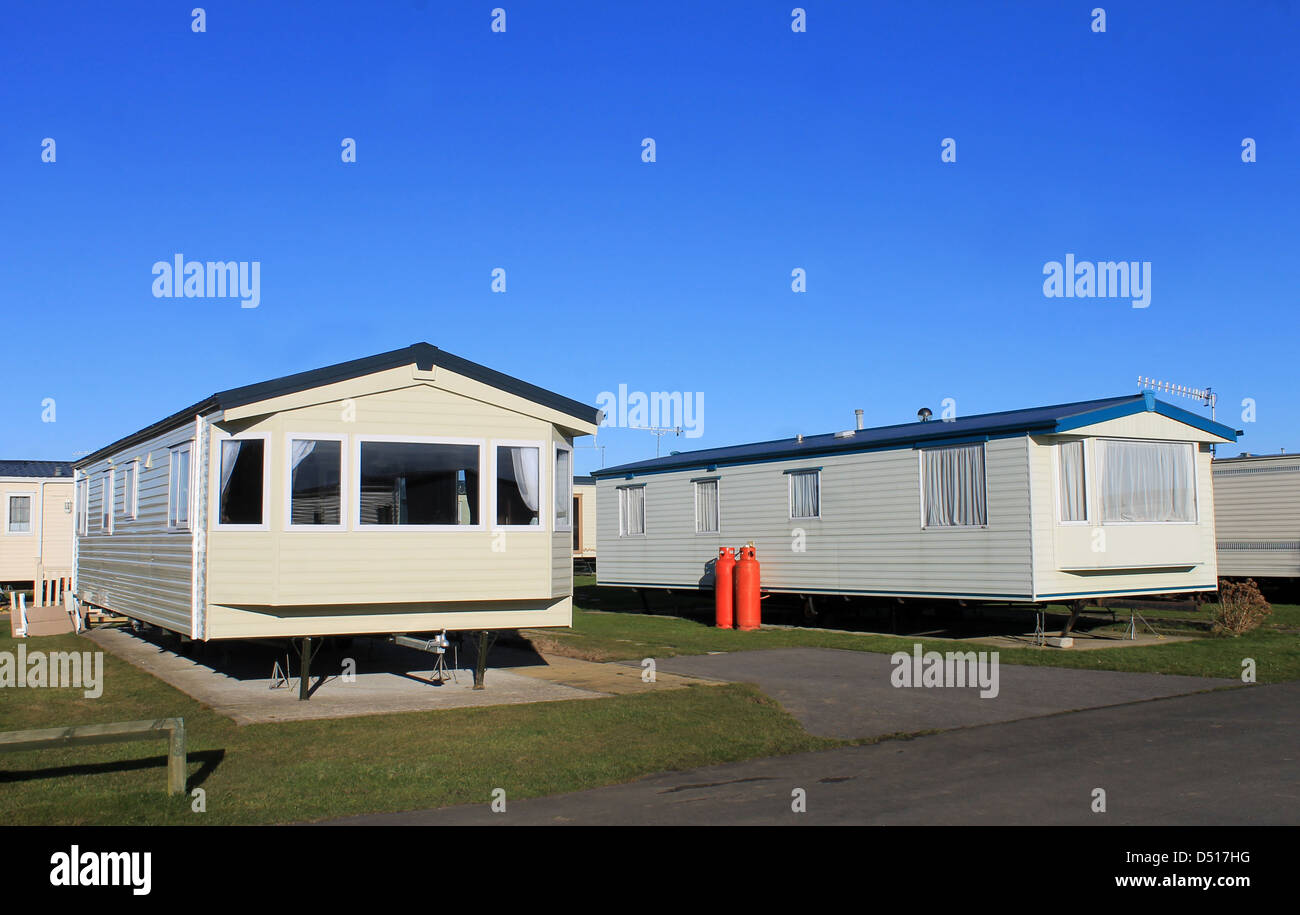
131 489
174 523
717 503
556 526
30 496
219 437
344 482
790 475
358 439
543 493
82 505
1057 479
108 492
920 479
1196 484
622 510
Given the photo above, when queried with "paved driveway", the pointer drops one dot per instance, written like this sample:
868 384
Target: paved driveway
1221 758
848 694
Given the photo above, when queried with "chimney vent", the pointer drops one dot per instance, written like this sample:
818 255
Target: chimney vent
858 414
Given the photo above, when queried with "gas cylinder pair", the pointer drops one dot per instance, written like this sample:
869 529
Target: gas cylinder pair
736 586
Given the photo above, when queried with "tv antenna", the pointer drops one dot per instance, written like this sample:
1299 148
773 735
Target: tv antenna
659 433
1206 395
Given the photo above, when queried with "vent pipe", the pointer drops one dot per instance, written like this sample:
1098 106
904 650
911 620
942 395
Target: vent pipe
858 415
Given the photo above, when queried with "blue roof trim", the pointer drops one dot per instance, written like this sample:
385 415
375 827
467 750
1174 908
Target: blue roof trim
1011 423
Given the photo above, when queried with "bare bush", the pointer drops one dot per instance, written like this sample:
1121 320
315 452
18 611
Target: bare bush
1241 607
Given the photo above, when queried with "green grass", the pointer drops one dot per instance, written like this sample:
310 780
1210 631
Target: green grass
295 771
603 635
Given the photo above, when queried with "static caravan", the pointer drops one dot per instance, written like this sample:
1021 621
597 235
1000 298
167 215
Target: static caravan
412 491
36 527
1257 515
584 522
1074 501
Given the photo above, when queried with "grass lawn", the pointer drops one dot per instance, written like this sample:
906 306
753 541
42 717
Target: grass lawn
293 771
603 635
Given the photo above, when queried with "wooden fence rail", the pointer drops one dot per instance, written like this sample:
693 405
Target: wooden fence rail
117 732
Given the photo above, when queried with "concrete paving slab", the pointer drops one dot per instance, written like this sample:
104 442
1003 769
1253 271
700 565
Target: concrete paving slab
234 680
1222 758
849 694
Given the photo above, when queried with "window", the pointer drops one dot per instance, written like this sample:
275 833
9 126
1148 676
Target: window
952 486
178 489
805 493
1149 482
518 478
83 503
631 511
1072 496
418 483
130 473
563 489
315 482
577 523
242 488
20 514
106 501
706 506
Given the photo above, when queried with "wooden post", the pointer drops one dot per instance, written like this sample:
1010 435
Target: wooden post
176 757
485 640
304 681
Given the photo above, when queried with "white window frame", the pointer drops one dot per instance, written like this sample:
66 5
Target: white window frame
622 510
130 489
174 522
557 525
108 491
31 513
790 475
82 497
1196 485
920 481
1056 480
344 481
214 510
717 486
543 491
355 497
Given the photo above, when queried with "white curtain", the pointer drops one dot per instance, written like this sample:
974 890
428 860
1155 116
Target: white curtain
229 455
631 503
953 486
20 514
525 462
706 506
1074 500
805 494
1147 481
301 451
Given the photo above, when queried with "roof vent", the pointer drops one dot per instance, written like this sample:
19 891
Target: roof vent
798 439
858 415
58 471
847 433
923 415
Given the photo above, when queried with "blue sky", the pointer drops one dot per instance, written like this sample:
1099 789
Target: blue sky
775 150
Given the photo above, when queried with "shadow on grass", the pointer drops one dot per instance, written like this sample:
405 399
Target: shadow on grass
209 760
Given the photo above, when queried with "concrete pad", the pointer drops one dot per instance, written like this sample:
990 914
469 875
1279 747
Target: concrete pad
606 677
849 694
234 679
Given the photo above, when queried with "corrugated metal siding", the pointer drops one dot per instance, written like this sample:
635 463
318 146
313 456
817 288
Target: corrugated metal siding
869 538
1257 503
141 570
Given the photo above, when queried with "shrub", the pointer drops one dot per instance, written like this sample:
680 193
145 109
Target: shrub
1241 607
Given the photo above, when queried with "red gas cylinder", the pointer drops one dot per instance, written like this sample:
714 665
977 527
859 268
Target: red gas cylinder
723 586
748 585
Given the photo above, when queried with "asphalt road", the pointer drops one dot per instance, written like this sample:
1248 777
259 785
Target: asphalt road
1227 757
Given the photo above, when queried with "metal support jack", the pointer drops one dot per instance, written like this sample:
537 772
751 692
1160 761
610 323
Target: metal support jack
305 653
1040 623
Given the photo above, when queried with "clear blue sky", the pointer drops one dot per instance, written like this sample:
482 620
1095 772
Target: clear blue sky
775 150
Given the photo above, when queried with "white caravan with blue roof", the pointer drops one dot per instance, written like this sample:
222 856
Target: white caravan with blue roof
1077 501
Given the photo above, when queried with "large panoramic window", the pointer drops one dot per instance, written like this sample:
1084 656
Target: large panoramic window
563 489
805 493
631 511
1072 481
178 489
419 483
242 475
1147 481
952 486
315 482
706 506
518 479
20 515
